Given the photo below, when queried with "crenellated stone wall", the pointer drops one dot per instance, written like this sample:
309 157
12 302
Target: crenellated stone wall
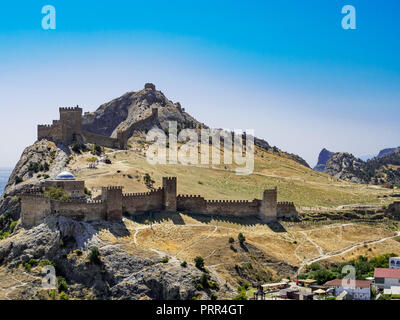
36 206
137 203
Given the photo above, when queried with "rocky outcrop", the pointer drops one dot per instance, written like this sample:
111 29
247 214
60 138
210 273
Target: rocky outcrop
323 157
40 161
123 112
345 166
133 107
121 274
385 152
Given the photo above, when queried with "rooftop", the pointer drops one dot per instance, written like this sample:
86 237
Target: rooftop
65 175
387 273
338 283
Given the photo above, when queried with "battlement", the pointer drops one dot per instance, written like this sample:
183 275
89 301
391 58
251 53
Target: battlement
169 179
77 108
112 188
140 194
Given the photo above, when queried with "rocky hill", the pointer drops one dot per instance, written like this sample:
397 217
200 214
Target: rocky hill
385 152
323 157
121 113
345 166
131 107
383 170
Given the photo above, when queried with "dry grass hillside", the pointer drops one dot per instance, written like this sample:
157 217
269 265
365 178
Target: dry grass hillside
295 182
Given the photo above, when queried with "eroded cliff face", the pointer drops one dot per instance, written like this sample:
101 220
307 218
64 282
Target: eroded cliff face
124 271
40 161
345 166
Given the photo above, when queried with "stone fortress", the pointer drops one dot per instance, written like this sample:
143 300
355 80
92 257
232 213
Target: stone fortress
36 206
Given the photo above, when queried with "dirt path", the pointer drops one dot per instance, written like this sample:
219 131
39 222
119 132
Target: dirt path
343 251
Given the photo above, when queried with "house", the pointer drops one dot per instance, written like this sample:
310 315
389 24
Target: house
360 291
385 278
394 263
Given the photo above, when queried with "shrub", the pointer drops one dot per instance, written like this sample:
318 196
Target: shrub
53 294
62 285
231 240
78 252
199 262
46 262
18 180
56 193
12 226
94 255
27 266
241 238
165 260
78 147
148 181
184 264
204 280
63 296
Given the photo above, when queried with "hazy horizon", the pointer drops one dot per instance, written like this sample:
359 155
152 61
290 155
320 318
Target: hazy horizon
287 70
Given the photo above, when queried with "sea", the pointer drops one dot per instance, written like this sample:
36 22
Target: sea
4 175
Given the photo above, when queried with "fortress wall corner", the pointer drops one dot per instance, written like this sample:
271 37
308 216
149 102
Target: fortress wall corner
286 210
34 209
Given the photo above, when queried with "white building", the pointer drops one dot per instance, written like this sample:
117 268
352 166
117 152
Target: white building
385 278
394 263
360 291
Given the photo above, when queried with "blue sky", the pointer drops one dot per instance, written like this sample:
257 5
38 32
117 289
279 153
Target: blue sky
286 69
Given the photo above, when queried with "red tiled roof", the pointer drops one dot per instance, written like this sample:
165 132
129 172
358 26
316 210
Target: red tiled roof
387 273
338 283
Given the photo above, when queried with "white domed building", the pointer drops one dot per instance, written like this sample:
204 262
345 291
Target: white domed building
66 180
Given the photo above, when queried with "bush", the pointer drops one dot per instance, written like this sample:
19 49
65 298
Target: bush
12 226
231 240
148 181
241 238
18 180
62 285
184 264
63 296
94 255
46 262
165 260
199 263
78 147
56 193
78 252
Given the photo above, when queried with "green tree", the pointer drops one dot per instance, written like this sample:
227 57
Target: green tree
199 262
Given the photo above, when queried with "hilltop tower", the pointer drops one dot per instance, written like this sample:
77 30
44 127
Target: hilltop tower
169 194
268 208
71 120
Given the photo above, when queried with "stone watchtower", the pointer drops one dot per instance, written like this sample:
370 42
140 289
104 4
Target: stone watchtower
71 121
169 194
268 208
112 196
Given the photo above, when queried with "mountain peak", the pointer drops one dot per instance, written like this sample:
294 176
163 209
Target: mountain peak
323 157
